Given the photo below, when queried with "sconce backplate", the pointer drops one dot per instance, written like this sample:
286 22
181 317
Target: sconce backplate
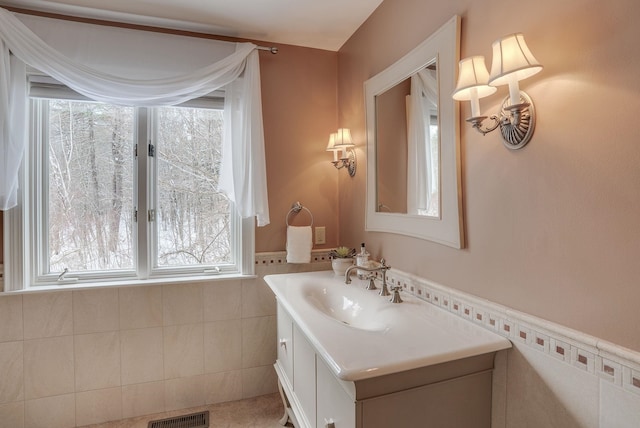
517 122
351 166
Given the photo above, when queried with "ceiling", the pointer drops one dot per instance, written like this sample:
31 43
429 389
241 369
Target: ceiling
322 24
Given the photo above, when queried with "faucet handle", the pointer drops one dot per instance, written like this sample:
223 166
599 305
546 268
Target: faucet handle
372 283
384 264
395 298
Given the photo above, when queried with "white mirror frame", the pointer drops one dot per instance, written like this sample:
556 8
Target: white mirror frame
444 45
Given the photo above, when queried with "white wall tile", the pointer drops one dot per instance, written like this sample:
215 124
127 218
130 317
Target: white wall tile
499 390
183 350
257 298
258 341
97 360
618 408
609 370
631 379
259 381
222 346
559 349
51 412
95 310
142 399
142 353
12 415
584 360
94 407
222 387
140 307
545 392
48 367
11 372
47 314
11 326
184 392
222 300
182 304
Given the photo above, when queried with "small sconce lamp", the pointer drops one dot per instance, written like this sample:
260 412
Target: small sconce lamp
512 62
341 142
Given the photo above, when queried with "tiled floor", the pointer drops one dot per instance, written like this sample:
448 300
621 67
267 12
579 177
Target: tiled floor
259 412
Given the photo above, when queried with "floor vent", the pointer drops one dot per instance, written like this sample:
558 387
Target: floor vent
193 420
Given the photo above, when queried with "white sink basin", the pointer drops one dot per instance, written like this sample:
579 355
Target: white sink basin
349 306
363 335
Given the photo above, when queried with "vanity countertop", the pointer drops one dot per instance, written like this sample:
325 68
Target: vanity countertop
362 335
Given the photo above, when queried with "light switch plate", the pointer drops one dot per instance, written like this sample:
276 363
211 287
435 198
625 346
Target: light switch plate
320 235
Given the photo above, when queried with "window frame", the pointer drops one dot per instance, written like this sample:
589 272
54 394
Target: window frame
26 254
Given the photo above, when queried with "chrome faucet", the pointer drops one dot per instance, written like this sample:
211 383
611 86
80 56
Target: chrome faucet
382 269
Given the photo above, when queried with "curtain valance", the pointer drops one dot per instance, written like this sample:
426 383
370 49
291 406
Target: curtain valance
243 171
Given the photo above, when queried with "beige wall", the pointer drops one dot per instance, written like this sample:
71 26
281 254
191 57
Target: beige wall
552 230
299 101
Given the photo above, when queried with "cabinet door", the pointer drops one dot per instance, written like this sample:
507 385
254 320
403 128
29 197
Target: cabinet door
304 377
334 404
285 344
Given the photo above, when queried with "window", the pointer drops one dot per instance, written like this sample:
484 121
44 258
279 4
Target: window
118 193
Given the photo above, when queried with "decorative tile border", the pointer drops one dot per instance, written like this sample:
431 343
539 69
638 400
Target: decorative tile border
280 257
606 360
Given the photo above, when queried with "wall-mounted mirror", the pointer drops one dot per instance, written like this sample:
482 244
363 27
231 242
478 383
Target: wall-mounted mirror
413 171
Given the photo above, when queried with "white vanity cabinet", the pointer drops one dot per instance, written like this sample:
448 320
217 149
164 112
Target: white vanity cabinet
349 358
453 394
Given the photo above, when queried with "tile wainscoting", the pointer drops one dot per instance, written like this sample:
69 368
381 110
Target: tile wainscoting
123 352
553 376
78 357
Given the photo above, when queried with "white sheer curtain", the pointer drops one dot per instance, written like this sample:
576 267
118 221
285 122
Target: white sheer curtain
13 124
244 171
421 176
243 175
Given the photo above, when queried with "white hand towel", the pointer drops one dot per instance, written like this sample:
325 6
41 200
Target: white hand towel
299 244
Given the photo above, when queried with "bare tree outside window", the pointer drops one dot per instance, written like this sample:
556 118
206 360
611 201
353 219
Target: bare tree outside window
193 219
91 187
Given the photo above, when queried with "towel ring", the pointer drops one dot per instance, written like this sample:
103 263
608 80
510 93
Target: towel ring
296 208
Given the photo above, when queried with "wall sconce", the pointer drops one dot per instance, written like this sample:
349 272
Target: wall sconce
341 142
512 62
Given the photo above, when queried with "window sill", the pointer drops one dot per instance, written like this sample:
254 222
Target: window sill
131 283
